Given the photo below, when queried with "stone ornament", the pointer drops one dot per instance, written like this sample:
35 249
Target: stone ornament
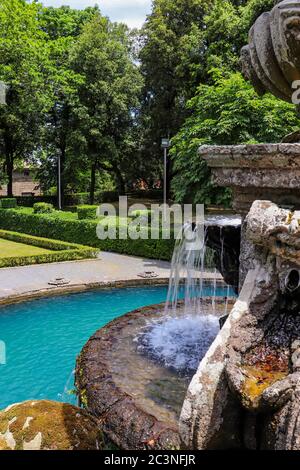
246 392
271 60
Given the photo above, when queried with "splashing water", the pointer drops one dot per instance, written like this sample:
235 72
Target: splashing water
180 343
182 337
187 268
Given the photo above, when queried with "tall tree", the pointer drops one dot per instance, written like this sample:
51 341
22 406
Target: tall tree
182 41
226 112
171 64
23 61
61 141
109 98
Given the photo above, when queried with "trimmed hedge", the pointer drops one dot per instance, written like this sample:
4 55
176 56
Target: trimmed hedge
28 201
155 194
87 212
82 232
8 203
61 251
43 208
84 198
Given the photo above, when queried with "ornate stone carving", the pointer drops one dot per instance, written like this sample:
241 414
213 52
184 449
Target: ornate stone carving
271 60
246 391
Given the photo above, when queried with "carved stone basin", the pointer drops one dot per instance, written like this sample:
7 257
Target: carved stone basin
256 172
246 393
135 397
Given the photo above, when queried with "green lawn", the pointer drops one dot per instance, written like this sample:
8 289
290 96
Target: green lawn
10 249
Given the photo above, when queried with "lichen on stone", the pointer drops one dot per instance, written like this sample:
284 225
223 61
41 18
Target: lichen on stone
48 425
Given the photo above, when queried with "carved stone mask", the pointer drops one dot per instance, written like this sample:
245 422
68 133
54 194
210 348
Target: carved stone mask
274 50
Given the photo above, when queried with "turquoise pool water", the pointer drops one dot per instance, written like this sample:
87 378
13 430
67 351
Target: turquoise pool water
43 338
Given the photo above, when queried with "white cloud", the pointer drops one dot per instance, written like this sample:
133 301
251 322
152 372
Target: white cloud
131 12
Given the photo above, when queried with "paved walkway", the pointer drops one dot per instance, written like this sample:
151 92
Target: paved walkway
107 269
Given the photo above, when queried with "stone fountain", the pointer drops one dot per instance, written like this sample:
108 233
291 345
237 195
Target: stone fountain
246 392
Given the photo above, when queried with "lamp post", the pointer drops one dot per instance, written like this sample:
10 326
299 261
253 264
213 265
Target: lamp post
165 144
59 183
3 91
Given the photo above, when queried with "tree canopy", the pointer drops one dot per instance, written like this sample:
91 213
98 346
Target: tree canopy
98 98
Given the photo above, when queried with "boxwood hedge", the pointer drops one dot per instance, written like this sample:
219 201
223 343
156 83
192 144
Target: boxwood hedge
82 232
8 203
62 251
87 212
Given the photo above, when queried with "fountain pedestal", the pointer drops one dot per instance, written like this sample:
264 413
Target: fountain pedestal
268 172
256 172
245 393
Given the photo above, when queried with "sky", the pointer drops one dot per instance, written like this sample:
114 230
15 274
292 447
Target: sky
131 12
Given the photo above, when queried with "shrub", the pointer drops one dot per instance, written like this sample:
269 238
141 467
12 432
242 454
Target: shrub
83 232
42 208
84 198
87 212
61 251
8 203
143 214
29 201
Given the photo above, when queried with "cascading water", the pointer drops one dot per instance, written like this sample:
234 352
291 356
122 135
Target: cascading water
190 324
187 271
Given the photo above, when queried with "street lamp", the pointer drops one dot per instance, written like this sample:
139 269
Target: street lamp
59 182
165 144
3 91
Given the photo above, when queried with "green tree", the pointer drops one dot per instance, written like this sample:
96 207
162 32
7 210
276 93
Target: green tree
61 140
227 112
64 22
109 99
171 64
23 62
182 41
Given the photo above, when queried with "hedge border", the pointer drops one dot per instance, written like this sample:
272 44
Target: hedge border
62 251
83 232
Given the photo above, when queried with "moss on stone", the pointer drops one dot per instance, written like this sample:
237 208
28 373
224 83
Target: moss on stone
47 425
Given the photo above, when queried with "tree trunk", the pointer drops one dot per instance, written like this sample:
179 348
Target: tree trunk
9 171
169 177
120 182
93 183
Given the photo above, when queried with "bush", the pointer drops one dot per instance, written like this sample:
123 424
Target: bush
84 198
61 251
8 203
83 232
43 208
87 212
155 194
144 214
29 201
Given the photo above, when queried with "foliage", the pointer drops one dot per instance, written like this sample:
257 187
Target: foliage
108 98
23 67
171 65
227 112
43 208
183 44
8 203
61 251
83 232
87 212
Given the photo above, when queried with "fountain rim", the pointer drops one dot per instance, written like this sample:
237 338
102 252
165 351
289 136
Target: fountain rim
254 156
105 400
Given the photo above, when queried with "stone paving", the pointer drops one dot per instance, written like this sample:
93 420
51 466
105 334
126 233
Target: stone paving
108 269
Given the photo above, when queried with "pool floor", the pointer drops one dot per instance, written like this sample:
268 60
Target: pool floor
43 338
